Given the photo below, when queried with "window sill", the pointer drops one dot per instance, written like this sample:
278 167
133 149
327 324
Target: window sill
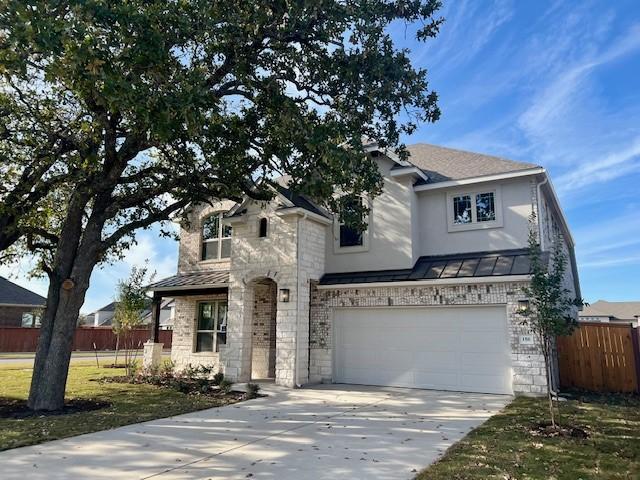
214 261
338 250
474 226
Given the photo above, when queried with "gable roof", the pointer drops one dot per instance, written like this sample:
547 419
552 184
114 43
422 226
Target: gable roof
110 307
443 164
12 294
620 310
299 200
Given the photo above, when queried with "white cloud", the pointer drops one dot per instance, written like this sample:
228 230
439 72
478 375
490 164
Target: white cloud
603 169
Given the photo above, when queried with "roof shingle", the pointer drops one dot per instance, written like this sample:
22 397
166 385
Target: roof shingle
12 294
442 164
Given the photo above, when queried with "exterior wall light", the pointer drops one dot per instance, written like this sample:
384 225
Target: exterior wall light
284 295
523 306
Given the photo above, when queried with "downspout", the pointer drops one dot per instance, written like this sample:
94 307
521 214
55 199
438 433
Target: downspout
538 200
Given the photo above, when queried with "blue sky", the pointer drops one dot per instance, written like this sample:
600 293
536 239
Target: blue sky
555 83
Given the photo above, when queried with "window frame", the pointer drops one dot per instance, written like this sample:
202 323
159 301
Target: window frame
337 248
219 238
474 224
219 328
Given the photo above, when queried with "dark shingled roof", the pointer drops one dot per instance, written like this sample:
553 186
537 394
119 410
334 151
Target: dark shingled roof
12 294
442 164
192 280
466 265
299 200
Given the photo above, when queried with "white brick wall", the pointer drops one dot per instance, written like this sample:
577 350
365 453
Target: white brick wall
527 361
184 333
277 257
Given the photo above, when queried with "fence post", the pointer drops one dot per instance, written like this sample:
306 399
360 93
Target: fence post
636 354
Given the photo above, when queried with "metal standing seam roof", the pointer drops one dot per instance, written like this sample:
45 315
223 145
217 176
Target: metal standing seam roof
193 280
12 294
467 265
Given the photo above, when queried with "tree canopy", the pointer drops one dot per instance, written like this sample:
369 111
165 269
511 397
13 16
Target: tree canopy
128 111
119 114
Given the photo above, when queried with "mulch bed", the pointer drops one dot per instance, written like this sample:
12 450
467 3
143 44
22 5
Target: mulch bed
17 409
544 429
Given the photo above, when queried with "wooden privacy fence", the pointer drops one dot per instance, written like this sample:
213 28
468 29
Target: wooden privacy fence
600 357
19 339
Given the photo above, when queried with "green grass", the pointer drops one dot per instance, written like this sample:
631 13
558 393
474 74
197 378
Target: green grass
503 447
129 404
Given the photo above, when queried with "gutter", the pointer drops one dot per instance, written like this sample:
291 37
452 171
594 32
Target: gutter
427 283
472 180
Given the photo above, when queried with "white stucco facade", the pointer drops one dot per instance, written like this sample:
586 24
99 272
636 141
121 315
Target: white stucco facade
279 321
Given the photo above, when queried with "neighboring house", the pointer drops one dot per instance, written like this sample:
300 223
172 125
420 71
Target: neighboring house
612 312
167 312
427 297
19 306
103 317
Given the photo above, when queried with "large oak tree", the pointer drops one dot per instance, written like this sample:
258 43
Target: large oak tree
119 114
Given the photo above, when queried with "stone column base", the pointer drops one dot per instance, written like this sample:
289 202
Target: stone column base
152 354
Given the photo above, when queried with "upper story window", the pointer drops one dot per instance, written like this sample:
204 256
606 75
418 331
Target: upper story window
470 210
262 227
216 238
350 237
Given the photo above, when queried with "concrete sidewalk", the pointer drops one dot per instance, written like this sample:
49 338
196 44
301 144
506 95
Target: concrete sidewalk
326 432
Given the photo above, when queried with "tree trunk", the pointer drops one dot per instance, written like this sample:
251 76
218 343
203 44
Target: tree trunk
53 354
547 360
75 258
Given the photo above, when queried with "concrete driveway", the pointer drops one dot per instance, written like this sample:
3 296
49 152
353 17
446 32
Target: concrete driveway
326 432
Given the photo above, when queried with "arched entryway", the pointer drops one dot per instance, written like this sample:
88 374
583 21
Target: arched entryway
263 329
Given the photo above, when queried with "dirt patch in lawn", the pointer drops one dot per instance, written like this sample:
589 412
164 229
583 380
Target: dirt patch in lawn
545 429
18 409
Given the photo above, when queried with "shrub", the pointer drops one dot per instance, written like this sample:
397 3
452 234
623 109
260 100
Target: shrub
217 378
225 385
252 390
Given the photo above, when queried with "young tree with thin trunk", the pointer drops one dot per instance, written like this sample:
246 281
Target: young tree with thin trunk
118 115
131 301
552 309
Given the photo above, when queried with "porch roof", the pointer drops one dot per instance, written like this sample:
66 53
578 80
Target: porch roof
192 281
469 265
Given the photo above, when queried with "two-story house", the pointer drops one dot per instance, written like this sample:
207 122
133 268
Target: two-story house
427 297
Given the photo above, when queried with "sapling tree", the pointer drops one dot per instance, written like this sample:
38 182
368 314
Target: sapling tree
119 115
552 307
131 301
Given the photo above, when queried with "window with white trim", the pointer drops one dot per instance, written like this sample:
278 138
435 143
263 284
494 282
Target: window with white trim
216 238
470 210
347 235
211 326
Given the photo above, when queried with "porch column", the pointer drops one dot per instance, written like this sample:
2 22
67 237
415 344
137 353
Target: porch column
152 355
155 319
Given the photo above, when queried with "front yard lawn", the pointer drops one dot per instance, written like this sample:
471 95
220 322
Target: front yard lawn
129 403
503 447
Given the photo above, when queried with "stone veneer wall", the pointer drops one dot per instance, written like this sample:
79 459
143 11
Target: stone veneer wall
184 330
527 361
263 345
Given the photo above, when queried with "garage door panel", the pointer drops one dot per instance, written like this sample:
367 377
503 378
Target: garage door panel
461 349
437 360
480 342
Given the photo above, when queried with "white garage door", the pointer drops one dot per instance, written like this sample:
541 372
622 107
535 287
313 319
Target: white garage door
463 349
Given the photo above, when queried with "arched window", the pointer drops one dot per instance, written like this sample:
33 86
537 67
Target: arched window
263 228
216 238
